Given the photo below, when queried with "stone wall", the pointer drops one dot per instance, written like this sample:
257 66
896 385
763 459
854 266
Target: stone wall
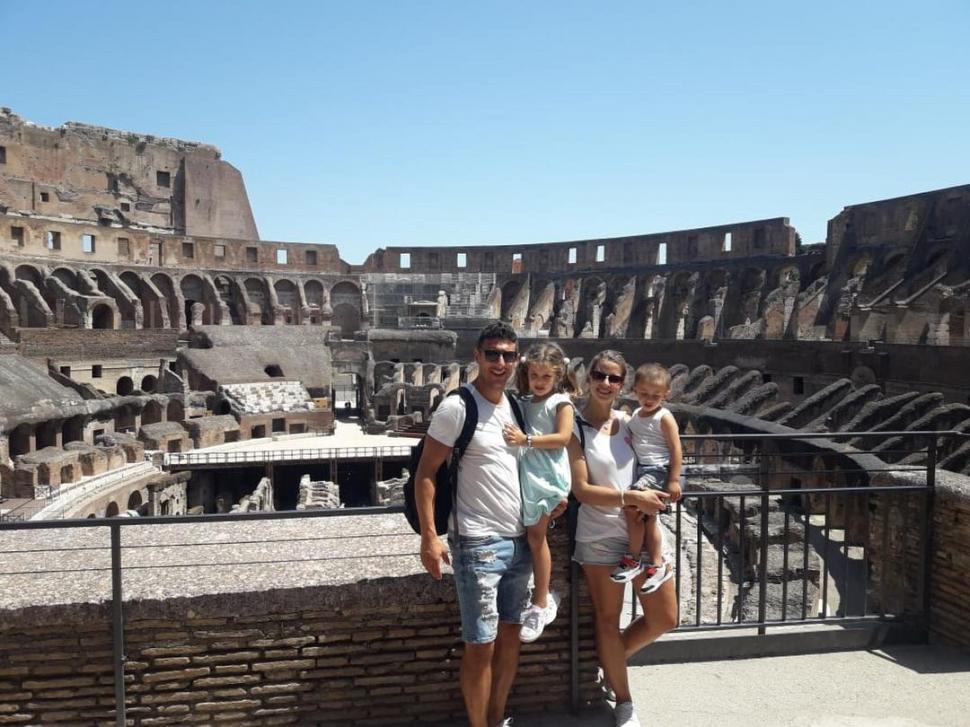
106 175
949 593
378 651
743 239
132 246
106 344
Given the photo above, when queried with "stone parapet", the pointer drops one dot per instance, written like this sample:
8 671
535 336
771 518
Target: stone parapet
383 650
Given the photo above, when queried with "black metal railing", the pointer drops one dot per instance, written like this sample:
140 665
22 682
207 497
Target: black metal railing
792 530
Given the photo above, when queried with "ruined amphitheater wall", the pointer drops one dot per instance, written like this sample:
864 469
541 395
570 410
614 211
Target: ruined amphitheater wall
61 240
744 239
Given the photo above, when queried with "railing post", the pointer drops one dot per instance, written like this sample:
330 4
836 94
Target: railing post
571 519
926 534
763 550
118 624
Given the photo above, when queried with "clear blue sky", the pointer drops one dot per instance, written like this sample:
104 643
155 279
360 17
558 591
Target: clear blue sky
367 124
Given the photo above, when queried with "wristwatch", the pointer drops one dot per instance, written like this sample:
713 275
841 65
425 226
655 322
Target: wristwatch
528 441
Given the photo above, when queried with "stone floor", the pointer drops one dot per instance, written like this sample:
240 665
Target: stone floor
903 686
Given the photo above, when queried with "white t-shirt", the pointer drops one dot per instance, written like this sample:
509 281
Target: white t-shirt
610 462
649 441
489 498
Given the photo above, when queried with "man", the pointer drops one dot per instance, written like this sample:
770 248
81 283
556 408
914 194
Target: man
490 553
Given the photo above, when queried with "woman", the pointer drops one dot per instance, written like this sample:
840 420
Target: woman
601 475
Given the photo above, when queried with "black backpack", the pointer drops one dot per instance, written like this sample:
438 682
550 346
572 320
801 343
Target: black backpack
446 479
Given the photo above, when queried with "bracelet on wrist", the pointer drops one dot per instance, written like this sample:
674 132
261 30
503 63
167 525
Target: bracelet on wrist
622 504
528 440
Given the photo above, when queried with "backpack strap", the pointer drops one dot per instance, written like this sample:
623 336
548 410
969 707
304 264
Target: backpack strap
461 444
468 427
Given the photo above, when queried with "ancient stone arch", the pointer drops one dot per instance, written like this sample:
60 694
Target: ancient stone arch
193 292
316 299
515 301
66 276
135 500
152 413
169 299
590 312
674 313
30 273
228 291
288 298
346 301
103 317
175 412
258 292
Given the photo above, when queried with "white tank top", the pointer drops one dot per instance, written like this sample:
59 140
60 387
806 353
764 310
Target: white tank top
610 462
649 441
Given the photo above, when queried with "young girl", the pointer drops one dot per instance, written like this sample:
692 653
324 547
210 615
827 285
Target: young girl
543 467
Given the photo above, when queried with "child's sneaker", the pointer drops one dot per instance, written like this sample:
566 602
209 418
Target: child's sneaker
552 608
657 575
627 569
537 618
533 622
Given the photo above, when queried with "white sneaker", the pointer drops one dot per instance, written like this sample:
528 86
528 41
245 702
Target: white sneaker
533 622
552 608
625 716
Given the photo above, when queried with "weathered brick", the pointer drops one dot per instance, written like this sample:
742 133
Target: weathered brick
229 680
290 641
171 661
177 675
235 656
290 665
185 696
234 705
174 709
229 693
56 683
186 650
231 669
281 688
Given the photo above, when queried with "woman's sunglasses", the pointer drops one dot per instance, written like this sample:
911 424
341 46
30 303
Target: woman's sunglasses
492 355
600 376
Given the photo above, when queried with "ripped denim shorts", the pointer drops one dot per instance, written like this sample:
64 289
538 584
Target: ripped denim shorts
492 577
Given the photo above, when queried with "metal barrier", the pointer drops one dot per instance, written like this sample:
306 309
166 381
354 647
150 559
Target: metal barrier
721 518
764 538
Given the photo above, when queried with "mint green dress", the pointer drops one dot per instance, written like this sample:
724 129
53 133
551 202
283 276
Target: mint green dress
543 473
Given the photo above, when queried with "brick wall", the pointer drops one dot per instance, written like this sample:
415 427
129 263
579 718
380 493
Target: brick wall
896 587
376 652
950 586
93 344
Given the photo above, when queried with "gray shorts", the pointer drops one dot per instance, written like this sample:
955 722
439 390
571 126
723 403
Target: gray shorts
651 477
606 551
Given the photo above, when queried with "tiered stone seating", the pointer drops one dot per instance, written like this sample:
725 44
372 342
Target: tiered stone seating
263 398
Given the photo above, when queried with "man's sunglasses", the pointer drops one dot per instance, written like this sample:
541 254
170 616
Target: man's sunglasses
492 355
600 376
